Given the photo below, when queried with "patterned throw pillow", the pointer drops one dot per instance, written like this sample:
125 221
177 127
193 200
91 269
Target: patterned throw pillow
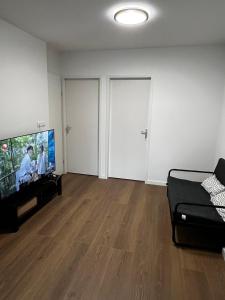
213 186
219 200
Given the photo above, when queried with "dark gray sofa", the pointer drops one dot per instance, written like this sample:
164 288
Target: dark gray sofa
191 208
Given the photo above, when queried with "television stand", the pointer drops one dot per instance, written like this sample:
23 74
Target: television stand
17 208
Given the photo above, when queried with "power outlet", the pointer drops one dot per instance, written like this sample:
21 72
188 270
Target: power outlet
41 124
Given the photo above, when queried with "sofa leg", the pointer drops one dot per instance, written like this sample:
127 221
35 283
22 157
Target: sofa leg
174 234
176 243
187 245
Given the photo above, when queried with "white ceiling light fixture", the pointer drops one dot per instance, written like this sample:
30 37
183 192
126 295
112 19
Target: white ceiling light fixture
131 16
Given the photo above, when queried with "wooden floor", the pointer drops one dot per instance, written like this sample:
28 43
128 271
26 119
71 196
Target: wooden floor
103 240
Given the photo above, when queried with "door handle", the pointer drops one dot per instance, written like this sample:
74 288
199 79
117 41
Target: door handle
68 128
145 133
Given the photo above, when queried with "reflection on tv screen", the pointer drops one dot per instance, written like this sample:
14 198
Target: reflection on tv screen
25 159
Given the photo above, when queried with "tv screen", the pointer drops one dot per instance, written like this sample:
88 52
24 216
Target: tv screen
25 159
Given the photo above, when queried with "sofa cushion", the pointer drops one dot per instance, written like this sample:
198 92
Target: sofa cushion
219 200
212 185
220 171
181 190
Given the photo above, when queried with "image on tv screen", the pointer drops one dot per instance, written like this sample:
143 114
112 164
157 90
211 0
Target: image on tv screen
25 159
7 175
6 166
33 156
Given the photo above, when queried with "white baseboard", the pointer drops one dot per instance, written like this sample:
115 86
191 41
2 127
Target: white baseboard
102 177
155 182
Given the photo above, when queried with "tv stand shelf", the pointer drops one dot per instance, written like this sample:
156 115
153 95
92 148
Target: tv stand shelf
20 206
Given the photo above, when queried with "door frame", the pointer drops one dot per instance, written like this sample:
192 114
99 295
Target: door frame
65 120
149 118
104 120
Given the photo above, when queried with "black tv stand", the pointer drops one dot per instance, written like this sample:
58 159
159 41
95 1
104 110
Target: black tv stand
17 208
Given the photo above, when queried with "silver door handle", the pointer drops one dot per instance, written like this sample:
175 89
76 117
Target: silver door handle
145 133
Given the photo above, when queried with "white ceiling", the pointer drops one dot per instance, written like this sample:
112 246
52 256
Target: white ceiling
88 24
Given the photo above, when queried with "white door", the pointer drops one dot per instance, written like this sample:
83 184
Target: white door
128 125
82 102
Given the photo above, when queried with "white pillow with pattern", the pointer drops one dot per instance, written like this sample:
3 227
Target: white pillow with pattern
219 200
212 185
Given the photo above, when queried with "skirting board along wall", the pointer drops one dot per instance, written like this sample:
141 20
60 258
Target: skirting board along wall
155 182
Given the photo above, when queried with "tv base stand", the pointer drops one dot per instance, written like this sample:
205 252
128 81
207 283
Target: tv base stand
17 208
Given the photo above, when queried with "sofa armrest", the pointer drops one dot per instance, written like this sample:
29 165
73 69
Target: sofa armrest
189 171
186 174
176 213
197 204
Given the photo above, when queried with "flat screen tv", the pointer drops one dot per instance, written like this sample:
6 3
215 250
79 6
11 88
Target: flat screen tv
25 159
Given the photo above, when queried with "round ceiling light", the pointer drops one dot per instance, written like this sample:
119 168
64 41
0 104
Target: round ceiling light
131 16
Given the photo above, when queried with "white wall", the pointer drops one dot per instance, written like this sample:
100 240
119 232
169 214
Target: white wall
221 134
23 81
30 85
55 103
187 92
53 61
